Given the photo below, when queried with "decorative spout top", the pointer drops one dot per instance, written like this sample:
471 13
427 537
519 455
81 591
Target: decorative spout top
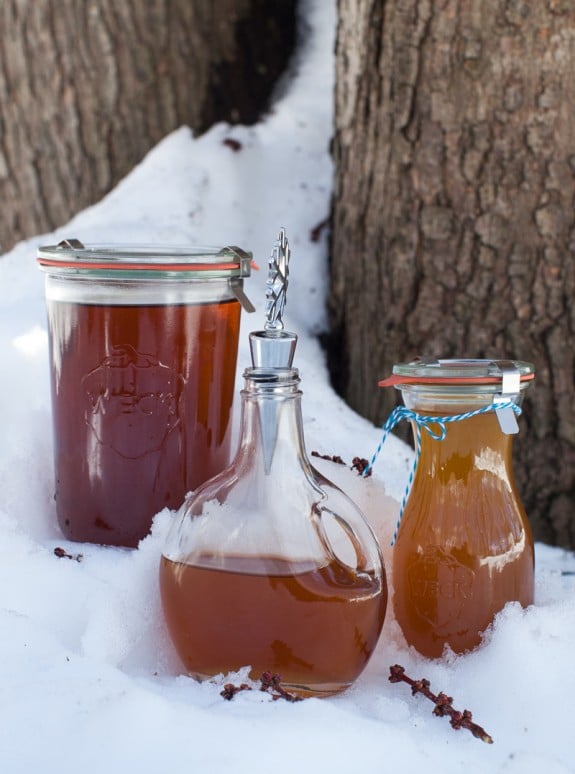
277 283
273 347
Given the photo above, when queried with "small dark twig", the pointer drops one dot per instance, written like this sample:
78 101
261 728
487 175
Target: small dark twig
315 233
361 464
330 457
272 684
230 690
61 554
443 704
358 463
232 143
269 683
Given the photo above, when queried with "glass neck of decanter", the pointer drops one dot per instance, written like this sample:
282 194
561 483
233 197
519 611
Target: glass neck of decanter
271 423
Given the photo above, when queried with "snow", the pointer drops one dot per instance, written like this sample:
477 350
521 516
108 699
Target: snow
89 680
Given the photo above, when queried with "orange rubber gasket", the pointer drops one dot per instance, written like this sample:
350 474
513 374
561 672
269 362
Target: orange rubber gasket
117 266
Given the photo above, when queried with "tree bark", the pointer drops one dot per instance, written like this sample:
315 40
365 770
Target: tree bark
87 87
453 225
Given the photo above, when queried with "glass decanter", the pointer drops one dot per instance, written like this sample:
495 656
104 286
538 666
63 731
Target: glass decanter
269 565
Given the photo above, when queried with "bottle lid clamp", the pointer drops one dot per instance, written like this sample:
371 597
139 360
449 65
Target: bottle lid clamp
510 389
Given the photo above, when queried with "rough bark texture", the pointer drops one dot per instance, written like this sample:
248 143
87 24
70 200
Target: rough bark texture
87 87
453 223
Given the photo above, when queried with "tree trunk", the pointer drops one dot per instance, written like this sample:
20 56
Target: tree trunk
453 225
87 87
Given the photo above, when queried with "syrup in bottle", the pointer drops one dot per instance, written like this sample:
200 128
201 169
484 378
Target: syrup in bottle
464 546
269 565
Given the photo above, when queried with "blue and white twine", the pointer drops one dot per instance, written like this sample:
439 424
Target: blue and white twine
436 428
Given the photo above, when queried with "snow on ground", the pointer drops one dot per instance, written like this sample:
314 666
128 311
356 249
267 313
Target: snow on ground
88 678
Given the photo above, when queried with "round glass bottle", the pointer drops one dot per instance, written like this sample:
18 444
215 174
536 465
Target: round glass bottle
269 565
464 546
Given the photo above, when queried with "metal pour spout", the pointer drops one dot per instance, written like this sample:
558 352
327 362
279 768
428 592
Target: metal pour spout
273 347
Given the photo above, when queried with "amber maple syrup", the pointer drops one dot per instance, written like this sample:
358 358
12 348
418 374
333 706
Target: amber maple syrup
464 547
315 627
142 400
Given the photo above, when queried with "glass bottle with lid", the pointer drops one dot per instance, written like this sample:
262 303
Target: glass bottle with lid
464 546
269 565
143 350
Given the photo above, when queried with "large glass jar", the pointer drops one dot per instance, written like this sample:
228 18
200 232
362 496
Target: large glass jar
271 566
143 348
464 546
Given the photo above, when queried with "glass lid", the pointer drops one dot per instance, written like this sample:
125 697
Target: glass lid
463 371
108 260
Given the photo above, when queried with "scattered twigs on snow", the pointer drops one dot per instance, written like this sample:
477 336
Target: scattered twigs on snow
358 463
443 704
330 457
269 683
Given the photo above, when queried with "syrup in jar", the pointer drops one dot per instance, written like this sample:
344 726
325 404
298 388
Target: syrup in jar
143 348
464 546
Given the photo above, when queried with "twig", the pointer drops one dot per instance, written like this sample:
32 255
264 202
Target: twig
315 233
272 684
61 553
358 463
443 704
269 683
232 143
330 457
230 690
361 464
